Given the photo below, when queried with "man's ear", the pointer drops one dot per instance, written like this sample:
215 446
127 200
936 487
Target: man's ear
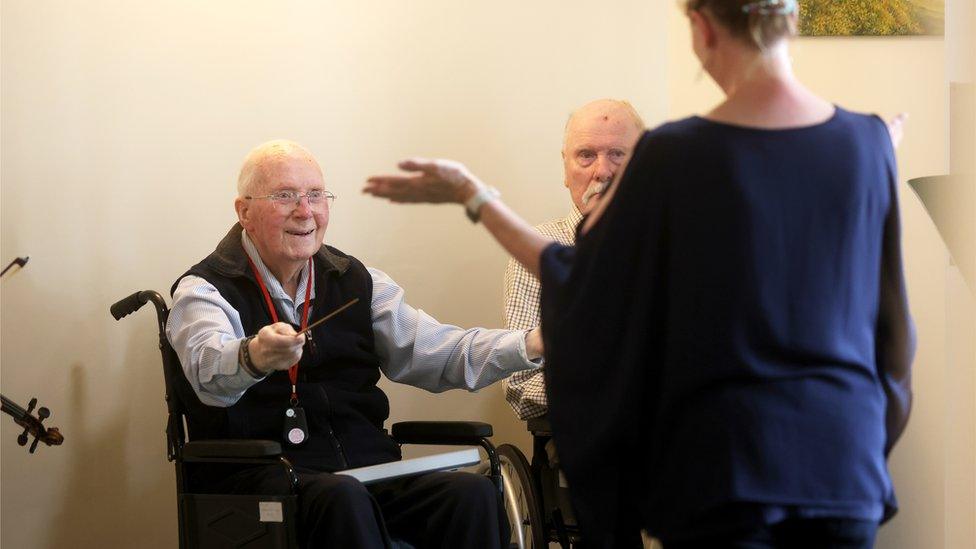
243 211
562 155
702 28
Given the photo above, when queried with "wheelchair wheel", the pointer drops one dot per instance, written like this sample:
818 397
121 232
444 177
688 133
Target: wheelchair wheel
522 500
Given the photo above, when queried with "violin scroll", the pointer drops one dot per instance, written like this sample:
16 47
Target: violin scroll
33 426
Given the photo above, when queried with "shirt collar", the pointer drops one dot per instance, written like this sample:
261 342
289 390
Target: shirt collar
275 289
574 216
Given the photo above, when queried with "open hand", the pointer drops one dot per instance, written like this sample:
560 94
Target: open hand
432 181
896 128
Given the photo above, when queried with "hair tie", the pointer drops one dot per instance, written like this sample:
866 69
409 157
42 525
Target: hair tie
771 7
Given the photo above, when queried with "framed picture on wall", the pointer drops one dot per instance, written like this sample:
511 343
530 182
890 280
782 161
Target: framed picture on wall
872 17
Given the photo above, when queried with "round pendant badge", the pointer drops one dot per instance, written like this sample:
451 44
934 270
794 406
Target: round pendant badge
296 436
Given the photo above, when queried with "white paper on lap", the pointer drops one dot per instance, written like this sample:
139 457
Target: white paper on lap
414 466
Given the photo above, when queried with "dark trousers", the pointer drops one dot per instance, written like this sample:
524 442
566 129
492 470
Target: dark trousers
795 533
433 510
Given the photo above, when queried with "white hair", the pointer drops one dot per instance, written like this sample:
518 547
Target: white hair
264 154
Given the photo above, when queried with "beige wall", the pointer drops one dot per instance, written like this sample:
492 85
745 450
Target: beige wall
123 126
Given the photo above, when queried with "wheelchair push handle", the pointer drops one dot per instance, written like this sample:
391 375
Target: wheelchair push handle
127 306
134 302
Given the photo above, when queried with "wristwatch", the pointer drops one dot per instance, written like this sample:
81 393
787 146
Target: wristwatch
473 205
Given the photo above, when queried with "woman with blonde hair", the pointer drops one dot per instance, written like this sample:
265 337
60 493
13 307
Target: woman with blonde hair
728 345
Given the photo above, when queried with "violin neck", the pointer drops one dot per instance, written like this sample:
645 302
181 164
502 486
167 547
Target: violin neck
10 407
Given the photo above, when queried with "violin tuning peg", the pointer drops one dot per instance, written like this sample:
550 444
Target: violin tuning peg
43 413
31 404
33 445
22 438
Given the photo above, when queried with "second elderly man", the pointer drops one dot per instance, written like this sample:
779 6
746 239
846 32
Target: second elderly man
598 140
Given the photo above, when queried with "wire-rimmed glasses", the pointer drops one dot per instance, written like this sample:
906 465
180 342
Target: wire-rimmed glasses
287 201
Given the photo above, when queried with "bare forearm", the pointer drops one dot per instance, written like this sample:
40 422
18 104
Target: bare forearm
518 238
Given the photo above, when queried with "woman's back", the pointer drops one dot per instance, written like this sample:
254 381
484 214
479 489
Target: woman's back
769 348
794 221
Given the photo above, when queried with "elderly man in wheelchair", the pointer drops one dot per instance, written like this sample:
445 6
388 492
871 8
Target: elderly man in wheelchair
238 325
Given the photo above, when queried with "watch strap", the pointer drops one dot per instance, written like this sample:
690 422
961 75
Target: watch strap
472 207
244 359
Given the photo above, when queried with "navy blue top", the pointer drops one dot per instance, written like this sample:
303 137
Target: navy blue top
711 341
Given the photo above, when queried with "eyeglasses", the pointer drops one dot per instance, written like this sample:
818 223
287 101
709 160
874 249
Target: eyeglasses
289 200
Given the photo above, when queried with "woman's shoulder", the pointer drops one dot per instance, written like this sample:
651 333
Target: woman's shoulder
676 129
669 136
868 122
866 131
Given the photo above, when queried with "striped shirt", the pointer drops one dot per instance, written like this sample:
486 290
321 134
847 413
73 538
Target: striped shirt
413 347
526 391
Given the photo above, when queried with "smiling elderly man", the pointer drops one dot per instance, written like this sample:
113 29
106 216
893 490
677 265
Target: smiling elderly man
234 324
597 143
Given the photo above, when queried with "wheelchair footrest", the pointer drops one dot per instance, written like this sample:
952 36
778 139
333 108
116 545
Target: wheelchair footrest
238 521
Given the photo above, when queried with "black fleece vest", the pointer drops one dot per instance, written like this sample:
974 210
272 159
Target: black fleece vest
336 377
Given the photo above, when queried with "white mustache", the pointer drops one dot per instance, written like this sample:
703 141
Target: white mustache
594 189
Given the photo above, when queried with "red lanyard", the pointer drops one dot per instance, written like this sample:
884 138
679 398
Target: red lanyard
293 371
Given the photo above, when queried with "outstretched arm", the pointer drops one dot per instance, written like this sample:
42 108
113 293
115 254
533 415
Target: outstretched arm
416 349
446 181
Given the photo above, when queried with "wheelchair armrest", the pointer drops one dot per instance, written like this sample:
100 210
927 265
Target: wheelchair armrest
441 432
231 449
462 433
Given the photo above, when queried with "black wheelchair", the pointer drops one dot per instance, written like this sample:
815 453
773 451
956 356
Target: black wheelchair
262 521
536 495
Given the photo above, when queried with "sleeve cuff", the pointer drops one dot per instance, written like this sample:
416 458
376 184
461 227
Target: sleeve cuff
245 361
235 376
524 354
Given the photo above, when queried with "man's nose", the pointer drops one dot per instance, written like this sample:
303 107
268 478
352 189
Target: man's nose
604 169
303 208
